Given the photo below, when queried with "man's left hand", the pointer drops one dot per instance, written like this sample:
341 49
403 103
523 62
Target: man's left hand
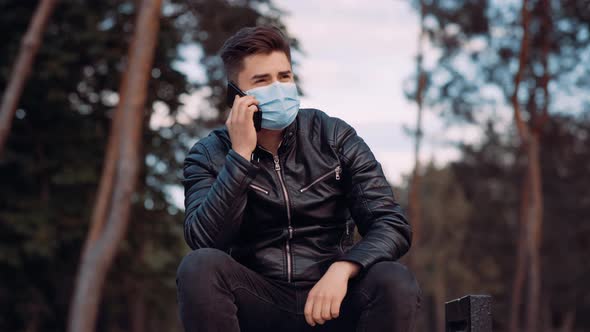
324 299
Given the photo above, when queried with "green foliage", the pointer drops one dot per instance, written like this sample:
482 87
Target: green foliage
470 212
53 160
437 260
479 44
490 175
445 212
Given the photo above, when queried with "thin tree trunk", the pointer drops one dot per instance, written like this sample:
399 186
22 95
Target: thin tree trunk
138 309
534 159
414 196
568 322
24 62
440 293
98 256
546 321
547 33
521 259
107 179
522 63
535 221
523 133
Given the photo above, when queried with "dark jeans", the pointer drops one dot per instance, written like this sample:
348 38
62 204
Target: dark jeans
216 293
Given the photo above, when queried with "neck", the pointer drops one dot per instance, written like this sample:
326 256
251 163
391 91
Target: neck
270 139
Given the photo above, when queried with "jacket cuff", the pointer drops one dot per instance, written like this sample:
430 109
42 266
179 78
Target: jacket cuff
357 256
240 168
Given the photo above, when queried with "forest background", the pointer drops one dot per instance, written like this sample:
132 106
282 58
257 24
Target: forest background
100 105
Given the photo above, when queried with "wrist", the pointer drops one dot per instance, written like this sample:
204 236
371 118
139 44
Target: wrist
244 153
349 269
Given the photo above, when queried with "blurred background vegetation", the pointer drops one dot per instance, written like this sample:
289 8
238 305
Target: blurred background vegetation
481 224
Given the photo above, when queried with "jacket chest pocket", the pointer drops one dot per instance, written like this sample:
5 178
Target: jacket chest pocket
334 173
258 188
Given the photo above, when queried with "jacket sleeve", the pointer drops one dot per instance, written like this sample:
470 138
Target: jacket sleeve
214 200
385 231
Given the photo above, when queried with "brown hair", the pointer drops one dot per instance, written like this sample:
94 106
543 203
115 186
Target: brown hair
248 41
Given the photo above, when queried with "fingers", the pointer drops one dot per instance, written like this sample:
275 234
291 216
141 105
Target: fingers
247 114
241 127
335 308
242 109
243 103
308 310
313 310
320 309
323 303
317 310
326 314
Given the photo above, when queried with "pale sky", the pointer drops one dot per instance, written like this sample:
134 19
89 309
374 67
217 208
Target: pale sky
357 55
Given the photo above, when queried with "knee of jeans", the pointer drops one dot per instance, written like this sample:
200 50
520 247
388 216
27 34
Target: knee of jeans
201 264
394 279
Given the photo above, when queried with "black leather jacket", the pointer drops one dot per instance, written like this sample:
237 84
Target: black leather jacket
292 215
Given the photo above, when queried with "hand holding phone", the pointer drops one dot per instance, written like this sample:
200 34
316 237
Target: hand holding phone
240 126
232 92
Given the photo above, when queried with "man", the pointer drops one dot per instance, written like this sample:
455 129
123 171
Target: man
270 214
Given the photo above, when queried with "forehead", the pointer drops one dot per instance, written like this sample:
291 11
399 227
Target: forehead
261 63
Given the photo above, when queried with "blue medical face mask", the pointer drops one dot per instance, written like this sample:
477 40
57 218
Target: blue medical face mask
279 103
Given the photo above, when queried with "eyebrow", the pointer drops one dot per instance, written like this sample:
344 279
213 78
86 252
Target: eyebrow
259 76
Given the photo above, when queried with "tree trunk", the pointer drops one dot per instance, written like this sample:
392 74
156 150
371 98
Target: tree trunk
522 63
99 254
414 199
138 310
523 133
107 179
535 219
568 322
440 293
546 321
22 68
414 195
534 171
521 259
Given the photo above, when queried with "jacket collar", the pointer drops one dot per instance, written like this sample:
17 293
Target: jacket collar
289 136
287 142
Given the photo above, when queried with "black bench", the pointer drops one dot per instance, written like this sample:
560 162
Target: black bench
471 313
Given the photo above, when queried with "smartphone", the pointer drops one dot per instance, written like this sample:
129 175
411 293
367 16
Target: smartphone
232 91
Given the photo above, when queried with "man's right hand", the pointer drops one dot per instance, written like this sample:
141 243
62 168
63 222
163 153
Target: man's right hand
240 125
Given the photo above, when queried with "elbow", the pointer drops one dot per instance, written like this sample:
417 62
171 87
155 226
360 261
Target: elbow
197 236
188 236
403 241
406 241
404 229
191 233
409 237
405 247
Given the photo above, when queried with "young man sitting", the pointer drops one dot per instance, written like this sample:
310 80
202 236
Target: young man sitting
270 214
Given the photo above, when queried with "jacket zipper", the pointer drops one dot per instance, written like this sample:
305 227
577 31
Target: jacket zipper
337 171
255 187
343 237
289 227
